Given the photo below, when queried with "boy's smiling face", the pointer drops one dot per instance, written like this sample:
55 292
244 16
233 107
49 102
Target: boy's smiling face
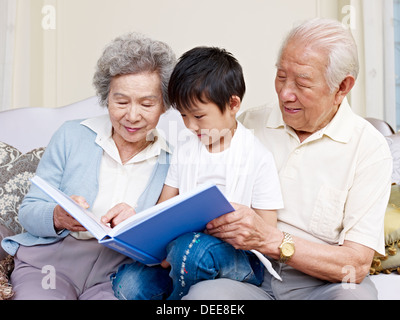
214 128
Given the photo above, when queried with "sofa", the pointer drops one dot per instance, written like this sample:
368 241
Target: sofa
24 134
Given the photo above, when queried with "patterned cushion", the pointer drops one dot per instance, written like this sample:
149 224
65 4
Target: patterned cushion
394 144
15 171
391 261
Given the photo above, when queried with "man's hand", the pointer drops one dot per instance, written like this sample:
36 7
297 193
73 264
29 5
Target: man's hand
117 214
243 229
239 228
63 220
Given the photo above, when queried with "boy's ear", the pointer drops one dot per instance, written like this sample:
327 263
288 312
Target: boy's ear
234 104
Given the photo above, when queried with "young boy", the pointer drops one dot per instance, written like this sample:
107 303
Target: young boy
207 87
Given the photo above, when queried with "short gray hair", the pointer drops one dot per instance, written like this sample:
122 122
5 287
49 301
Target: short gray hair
133 53
336 39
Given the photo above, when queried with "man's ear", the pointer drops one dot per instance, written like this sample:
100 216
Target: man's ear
234 104
164 108
344 89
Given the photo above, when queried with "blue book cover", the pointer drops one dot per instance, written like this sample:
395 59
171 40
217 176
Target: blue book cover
145 236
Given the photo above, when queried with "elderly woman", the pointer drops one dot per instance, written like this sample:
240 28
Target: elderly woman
116 161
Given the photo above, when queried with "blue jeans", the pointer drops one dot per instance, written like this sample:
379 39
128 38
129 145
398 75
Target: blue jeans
194 257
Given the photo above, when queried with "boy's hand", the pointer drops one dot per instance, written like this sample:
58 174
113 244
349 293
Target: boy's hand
117 214
165 264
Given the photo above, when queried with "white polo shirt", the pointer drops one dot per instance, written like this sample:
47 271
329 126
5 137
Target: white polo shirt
336 184
245 172
119 182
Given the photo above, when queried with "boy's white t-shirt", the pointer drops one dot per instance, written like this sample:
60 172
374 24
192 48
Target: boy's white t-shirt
245 172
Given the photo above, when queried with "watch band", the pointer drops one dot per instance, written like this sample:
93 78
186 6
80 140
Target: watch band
287 237
286 248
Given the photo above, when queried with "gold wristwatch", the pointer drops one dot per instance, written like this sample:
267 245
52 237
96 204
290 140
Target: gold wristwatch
286 248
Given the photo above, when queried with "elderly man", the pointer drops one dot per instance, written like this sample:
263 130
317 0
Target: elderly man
334 169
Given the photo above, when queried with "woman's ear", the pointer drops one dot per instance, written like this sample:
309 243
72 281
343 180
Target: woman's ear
234 104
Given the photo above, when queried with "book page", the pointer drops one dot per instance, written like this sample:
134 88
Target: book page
139 217
83 216
152 211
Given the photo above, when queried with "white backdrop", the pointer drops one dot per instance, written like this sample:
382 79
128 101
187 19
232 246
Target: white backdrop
55 44
7 37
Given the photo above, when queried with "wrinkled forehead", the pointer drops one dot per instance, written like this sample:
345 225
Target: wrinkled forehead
305 56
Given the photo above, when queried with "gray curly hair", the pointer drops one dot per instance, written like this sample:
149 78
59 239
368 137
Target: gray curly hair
133 53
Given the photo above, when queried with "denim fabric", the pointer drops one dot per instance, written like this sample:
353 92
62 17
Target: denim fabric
137 281
194 257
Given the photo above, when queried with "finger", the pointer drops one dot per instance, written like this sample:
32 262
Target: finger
110 215
228 218
113 212
165 264
236 206
60 218
73 224
117 214
223 232
77 228
238 238
81 201
122 216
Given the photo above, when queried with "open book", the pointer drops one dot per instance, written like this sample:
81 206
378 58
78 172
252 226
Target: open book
145 236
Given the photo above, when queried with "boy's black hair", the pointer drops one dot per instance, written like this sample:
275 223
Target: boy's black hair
205 74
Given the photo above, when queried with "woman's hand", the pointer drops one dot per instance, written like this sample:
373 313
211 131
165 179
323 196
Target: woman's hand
63 220
117 214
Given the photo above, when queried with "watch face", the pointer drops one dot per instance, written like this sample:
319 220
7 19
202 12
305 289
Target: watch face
287 249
